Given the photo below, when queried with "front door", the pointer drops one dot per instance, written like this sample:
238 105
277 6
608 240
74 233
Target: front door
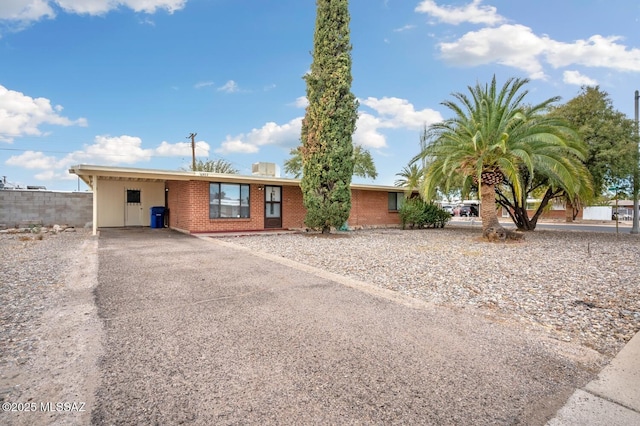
273 207
133 207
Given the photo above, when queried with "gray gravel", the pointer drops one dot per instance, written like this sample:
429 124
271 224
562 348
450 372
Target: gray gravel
32 275
49 333
580 287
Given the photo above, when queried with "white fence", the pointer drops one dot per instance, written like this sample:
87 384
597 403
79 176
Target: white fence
597 213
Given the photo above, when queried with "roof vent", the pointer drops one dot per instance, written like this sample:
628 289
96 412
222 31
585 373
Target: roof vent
264 169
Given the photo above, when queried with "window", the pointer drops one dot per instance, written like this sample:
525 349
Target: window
396 200
228 200
133 196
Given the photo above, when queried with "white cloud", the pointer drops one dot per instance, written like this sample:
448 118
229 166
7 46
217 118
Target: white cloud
285 135
181 149
473 12
229 87
112 150
21 115
49 175
512 45
392 113
33 10
596 51
33 160
404 28
236 146
301 102
400 113
99 7
367 134
105 150
202 84
108 150
25 10
574 77
147 21
519 47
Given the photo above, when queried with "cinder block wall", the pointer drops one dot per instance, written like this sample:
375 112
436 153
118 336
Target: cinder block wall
23 207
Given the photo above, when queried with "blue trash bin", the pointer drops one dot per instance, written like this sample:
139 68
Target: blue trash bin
157 217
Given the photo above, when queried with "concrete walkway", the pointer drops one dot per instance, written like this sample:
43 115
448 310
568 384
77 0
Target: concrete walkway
613 398
201 332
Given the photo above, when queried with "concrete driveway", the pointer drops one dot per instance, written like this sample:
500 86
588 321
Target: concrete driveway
200 332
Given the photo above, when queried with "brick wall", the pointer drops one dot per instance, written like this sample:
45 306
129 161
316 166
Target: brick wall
188 204
371 208
20 207
368 209
178 200
293 211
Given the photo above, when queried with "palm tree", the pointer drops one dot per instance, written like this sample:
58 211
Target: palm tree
214 166
363 165
492 137
409 178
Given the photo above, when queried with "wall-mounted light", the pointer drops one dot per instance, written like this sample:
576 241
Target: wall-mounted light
260 188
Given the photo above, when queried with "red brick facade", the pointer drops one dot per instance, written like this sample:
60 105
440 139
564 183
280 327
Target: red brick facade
371 208
188 204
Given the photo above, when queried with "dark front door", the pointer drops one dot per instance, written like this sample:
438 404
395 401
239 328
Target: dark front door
273 207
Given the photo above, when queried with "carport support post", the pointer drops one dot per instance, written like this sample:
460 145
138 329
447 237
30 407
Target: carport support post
636 171
94 181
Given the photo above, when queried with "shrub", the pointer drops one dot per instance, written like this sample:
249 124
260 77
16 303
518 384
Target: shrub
416 213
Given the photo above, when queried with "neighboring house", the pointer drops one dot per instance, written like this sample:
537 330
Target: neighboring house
202 202
555 210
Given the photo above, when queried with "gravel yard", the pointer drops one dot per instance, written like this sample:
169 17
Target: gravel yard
581 287
48 324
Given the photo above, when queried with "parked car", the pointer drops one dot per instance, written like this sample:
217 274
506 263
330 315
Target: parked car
469 211
448 209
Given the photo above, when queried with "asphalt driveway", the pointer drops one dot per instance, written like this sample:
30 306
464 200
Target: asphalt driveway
199 332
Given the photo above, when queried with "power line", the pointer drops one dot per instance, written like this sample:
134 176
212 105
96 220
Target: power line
39 150
74 152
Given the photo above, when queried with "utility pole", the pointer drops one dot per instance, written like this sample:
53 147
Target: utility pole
193 150
636 171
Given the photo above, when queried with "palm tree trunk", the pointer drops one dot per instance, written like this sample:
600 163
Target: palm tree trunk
568 211
491 228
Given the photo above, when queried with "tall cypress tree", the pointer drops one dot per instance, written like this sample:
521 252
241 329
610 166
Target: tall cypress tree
330 120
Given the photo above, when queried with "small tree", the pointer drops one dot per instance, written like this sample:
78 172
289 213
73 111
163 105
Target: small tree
214 166
608 134
329 122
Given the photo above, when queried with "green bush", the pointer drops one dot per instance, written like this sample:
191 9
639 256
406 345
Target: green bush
416 213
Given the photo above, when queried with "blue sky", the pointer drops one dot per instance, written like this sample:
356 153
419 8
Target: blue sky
124 82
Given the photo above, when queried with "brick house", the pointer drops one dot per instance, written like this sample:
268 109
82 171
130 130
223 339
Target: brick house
202 202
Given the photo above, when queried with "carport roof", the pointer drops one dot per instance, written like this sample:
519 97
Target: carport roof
86 172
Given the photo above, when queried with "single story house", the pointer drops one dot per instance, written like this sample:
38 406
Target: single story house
203 202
